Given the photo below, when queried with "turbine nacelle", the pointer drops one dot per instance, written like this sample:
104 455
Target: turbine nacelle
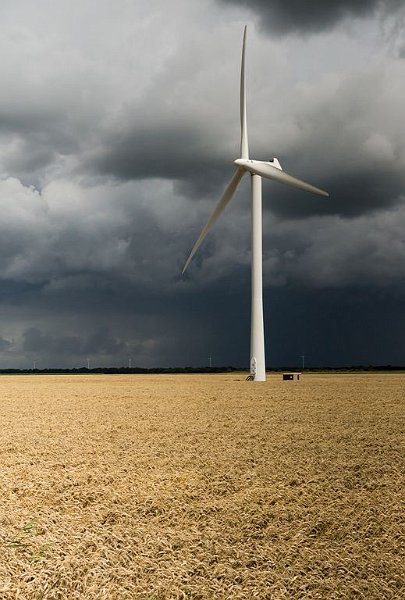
247 163
273 170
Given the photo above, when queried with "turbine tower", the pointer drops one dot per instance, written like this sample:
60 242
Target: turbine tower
257 169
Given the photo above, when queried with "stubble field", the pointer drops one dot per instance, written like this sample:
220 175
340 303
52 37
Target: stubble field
185 486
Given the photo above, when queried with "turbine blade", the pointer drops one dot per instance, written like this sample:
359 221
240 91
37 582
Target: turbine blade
244 146
269 172
225 199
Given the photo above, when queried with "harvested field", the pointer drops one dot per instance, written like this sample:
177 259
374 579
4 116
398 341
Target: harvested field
186 486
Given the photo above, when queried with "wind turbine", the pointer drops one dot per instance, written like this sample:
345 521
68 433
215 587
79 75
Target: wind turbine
257 169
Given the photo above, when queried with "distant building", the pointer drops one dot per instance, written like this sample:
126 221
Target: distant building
291 376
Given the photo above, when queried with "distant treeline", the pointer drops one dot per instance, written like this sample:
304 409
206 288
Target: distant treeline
120 370
170 370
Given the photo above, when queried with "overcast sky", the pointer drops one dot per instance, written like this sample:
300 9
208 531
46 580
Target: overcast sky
119 122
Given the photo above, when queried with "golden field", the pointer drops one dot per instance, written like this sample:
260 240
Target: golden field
201 486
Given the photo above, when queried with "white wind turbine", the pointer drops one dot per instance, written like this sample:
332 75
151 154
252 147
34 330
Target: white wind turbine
258 169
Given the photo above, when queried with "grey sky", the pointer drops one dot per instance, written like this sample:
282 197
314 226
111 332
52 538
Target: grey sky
312 16
118 127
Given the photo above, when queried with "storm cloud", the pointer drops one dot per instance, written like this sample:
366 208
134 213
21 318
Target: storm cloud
312 16
118 131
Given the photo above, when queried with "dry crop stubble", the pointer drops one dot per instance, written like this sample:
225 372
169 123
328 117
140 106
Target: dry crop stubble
187 486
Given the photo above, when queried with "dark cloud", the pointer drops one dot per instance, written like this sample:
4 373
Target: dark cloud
170 152
117 140
351 194
5 344
349 140
312 322
311 16
99 343
189 329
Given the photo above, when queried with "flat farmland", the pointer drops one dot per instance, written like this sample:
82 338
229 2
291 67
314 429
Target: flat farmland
201 486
